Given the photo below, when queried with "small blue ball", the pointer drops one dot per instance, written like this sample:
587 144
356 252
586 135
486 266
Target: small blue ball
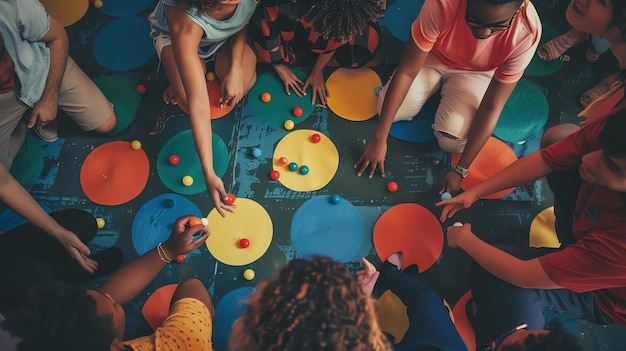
304 170
335 199
293 166
446 196
256 152
377 90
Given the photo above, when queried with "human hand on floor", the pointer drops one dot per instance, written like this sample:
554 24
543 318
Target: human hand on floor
318 84
232 88
77 250
44 111
181 241
217 192
367 277
455 204
451 183
290 79
372 157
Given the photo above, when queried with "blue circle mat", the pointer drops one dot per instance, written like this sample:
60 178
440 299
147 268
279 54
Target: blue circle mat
400 15
123 44
320 228
232 306
419 129
121 8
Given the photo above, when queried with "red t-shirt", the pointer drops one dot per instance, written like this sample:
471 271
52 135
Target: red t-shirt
596 262
7 75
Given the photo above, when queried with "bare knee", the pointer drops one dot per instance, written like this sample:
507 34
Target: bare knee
108 125
450 143
557 133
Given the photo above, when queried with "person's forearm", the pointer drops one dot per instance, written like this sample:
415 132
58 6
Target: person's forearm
321 62
126 283
525 274
396 93
523 171
203 140
58 59
237 49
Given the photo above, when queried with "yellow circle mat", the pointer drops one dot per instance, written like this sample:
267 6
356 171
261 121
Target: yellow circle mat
352 93
542 230
249 221
67 12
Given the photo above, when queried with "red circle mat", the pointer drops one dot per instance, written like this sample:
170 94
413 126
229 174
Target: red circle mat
215 93
410 229
461 322
157 306
494 157
114 173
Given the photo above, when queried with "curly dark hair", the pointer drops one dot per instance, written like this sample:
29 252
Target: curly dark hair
310 306
59 316
619 16
202 5
339 20
556 340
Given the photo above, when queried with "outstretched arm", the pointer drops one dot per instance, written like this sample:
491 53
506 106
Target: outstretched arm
233 85
483 125
186 37
45 110
316 79
525 274
125 284
525 170
15 197
411 63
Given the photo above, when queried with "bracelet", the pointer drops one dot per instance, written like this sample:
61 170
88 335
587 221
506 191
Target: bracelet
162 254
460 170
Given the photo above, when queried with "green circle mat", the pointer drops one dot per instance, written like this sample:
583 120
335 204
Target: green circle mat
280 108
122 94
539 67
525 113
28 163
183 146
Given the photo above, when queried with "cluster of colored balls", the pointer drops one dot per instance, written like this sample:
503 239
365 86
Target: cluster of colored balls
210 76
135 145
229 199
244 243
392 187
248 274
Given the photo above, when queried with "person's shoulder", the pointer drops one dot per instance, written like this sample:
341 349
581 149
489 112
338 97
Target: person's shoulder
529 18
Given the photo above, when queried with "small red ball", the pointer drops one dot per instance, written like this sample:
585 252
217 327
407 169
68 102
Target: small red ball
174 160
244 243
392 187
274 175
298 111
283 161
229 199
266 97
316 138
141 89
180 259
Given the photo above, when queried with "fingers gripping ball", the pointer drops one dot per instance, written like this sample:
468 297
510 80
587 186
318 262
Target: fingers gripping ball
204 221
194 221
229 199
248 274
392 187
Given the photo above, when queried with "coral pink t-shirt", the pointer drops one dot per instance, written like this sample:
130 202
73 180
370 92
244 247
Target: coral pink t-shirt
441 29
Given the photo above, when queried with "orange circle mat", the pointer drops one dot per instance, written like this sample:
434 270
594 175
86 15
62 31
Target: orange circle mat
411 229
461 322
215 93
114 173
494 157
157 306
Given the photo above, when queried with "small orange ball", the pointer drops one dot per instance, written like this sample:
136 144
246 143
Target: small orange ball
194 221
392 187
283 161
266 97
298 111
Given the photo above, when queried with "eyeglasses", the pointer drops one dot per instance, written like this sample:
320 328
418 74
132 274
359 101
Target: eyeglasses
500 340
493 27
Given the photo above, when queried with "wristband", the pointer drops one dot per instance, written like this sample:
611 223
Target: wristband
460 170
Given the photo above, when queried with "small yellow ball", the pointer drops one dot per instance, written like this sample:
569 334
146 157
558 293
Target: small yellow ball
98 4
135 145
289 124
248 274
100 222
187 180
210 76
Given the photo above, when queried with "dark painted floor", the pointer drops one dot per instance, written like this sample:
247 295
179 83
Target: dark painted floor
412 165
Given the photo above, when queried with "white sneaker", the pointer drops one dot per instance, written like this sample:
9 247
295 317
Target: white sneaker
47 133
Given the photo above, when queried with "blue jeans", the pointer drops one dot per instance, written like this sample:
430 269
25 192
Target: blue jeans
502 306
430 326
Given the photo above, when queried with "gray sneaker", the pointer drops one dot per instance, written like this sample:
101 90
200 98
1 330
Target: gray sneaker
49 132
